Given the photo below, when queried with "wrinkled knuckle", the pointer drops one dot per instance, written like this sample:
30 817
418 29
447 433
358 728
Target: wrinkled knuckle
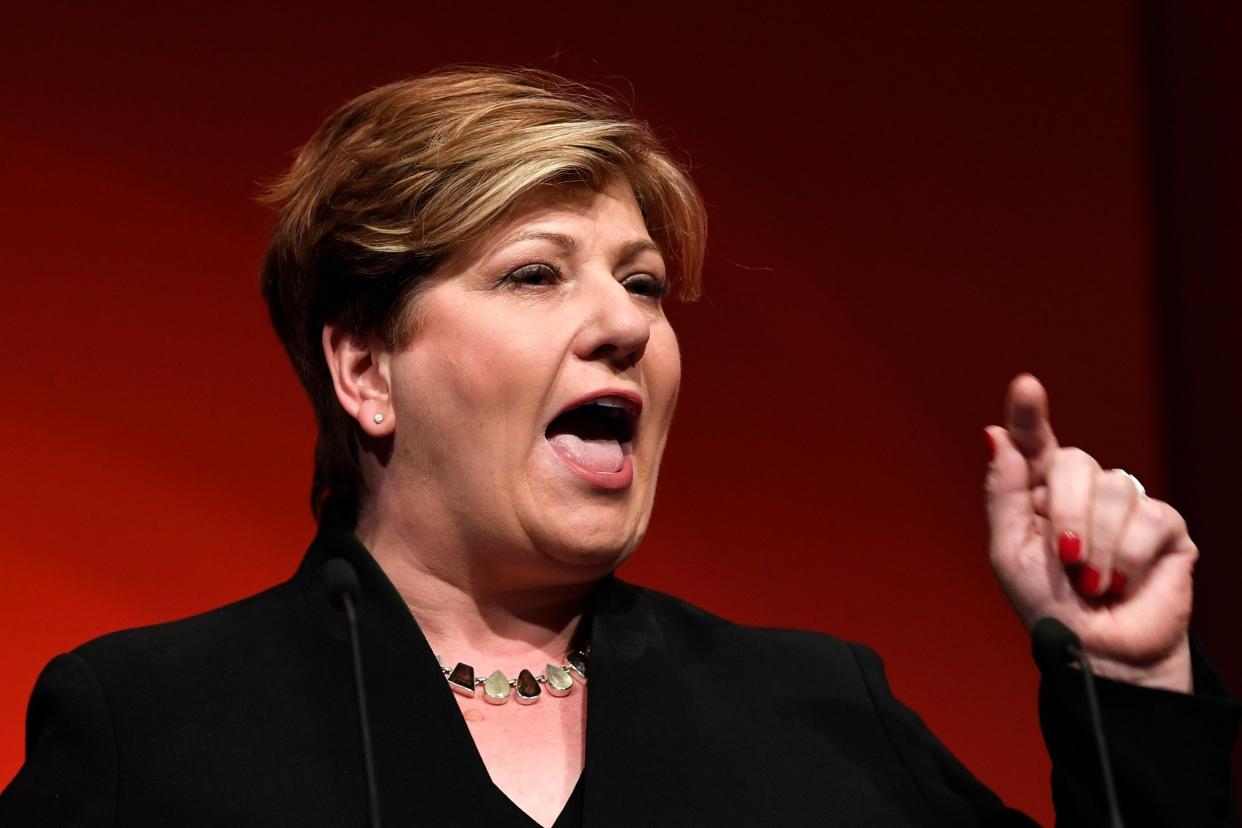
1147 514
1065 506
1113 485
1077 456
1064 517
1130 560
1168 518
1179 525
1039 500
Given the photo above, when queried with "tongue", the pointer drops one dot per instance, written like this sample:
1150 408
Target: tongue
600 454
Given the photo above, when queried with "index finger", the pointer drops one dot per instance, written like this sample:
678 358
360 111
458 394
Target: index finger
1026 413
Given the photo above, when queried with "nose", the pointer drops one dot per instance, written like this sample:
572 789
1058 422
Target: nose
616 327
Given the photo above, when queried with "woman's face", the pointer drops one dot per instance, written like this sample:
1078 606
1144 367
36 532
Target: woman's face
533 398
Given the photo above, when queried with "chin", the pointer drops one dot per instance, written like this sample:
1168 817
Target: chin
599 545
587 530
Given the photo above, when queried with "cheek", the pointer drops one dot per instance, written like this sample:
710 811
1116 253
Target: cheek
663 358
473 376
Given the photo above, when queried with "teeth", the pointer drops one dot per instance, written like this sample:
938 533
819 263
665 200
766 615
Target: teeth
611 402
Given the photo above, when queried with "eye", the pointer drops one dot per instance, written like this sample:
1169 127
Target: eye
533 274
645 284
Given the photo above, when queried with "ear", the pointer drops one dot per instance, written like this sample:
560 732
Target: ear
359 365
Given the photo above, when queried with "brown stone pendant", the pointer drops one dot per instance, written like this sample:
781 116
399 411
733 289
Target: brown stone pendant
527 688
461 679
578 663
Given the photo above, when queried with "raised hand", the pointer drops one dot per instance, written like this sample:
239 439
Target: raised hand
1082 544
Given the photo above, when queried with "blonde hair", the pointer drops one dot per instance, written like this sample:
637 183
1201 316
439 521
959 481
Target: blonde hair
400 177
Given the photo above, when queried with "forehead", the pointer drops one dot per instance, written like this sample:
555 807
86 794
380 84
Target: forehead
584 214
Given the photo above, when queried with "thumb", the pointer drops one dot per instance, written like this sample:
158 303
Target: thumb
1007 490
1026 405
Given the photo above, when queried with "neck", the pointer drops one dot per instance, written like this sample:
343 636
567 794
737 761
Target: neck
473 613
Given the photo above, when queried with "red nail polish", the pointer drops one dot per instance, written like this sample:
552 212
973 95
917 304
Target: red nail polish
1069 547
1117 585
1088 581
991 441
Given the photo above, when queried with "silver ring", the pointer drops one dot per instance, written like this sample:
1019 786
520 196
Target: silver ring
1138 486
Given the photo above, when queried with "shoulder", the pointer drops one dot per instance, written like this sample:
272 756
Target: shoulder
205 642
716 642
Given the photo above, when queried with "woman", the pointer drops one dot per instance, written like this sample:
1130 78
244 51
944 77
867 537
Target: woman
467 274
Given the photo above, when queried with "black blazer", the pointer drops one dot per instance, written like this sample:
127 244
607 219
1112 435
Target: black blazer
246 716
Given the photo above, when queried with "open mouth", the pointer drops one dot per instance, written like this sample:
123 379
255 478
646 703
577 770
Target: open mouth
596 435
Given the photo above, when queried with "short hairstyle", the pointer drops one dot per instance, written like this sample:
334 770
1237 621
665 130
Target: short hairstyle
400 177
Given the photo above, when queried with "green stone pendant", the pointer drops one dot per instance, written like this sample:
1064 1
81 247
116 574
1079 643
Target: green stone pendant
496 688
559 681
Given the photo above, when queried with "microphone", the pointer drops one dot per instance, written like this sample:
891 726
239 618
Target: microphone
341 581
1054 645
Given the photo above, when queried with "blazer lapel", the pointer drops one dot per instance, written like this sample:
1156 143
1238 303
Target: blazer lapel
421 743
640 740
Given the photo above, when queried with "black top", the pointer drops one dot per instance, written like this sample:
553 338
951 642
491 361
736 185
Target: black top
571 814
246 716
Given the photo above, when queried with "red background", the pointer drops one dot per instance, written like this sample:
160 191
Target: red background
909 206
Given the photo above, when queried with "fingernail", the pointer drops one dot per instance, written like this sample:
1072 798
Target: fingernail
1088 581
991 441
1117 584
1069 547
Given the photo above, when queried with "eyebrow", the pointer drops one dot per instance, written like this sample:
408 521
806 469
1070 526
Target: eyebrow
569 244
632 250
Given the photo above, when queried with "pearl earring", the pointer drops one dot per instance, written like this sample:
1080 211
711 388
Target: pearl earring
379 418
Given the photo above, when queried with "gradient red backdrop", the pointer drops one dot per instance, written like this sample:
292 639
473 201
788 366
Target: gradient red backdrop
909 206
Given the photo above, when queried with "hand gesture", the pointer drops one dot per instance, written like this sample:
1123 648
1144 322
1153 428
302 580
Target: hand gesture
1086 546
